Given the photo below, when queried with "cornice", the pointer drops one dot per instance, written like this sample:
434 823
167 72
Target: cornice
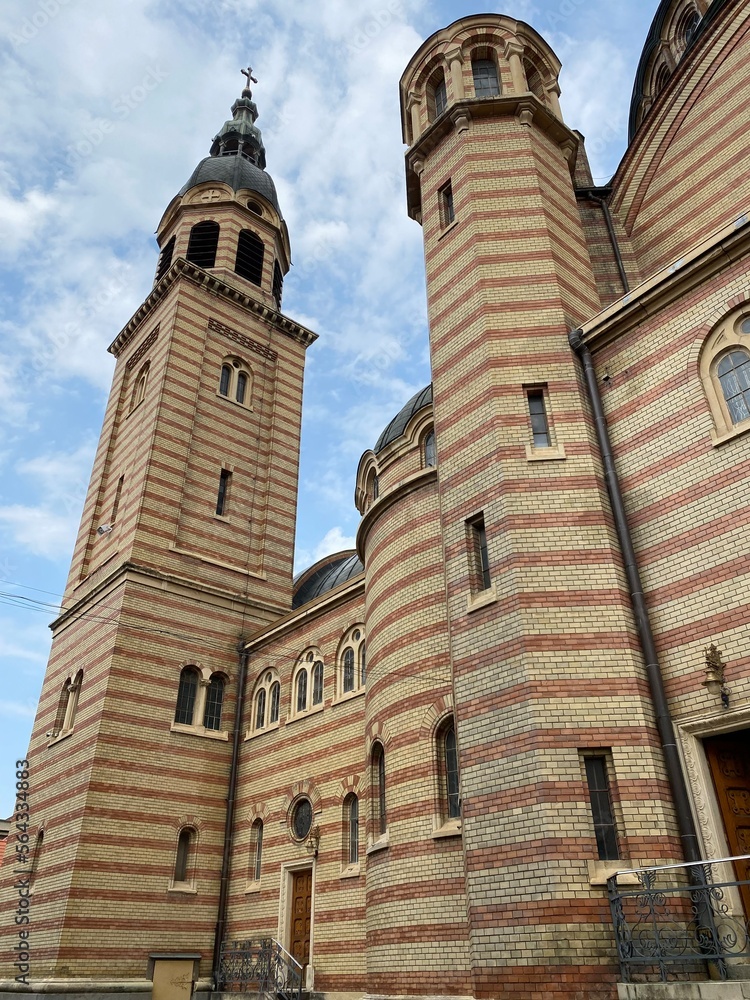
384 503
700 263
183 269
526 108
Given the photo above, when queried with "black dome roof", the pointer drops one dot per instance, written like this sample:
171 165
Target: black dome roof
324 575
236 171
397 426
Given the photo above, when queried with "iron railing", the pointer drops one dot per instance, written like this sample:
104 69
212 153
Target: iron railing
261 967
677 919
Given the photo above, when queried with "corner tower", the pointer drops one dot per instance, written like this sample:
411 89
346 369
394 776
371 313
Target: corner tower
546 670
185 546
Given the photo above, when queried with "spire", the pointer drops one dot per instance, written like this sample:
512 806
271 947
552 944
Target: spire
239 136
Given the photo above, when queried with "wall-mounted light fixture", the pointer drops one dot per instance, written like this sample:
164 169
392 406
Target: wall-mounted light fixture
313 841
715 680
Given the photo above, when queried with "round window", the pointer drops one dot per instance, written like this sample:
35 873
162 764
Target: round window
302 819
745 325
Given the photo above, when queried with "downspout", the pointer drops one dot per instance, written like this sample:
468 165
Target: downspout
685 824
221 918
597 196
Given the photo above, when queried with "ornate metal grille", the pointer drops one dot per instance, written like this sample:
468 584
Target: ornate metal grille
679 923
262 967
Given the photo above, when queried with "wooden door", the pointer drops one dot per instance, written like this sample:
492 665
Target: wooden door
301 913
729 760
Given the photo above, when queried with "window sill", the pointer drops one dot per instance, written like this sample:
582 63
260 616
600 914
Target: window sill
183 888
554 453
600 871
209 734
351 871
305 715
252 887
447 229
223 518
349 696
235 402
738 431
252 733
60 737
451 828
380 844
481 599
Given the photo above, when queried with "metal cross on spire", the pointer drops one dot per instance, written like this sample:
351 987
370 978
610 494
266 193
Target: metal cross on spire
249 74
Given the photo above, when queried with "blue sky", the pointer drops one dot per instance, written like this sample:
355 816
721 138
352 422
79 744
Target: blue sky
108 107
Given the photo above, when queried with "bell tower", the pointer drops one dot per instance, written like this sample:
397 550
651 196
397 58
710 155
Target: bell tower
185 546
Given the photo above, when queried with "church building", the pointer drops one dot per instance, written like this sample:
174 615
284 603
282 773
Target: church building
417 768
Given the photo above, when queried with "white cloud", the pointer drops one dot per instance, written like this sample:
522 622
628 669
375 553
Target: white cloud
334 540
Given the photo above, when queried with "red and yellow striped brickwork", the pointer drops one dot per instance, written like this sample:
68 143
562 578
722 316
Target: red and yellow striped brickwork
530 654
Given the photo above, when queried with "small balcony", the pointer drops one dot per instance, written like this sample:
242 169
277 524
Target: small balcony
682 931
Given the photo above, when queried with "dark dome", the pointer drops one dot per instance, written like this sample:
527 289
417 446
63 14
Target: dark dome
324 575
397 426
236 171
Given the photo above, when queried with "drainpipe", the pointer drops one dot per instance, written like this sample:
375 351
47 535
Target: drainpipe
221 919
597 195
685 824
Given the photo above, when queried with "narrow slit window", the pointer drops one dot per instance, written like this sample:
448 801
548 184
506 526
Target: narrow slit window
453 801
478 537
447 210
353 824
182 861
256 849
302 691
430 454
601 808
348 670
380 823
440 95
223 497
363 664
317 692
539 422
118 497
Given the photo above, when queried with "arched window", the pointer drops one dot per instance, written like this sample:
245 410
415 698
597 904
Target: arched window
317 686
661 79
278 283
214 700
302 691
139 388
734 378
437 95
202 245
249 261
256 850
351 829
534 80
377 769
687 26
273 712
235 381
72 692
352 669
348 669
184 860
260 709
486 82
448 769
186 695
165 259
430 454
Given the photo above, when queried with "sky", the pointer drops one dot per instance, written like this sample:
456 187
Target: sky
107 109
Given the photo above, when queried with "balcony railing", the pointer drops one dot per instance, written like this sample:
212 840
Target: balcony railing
680 922
261 967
